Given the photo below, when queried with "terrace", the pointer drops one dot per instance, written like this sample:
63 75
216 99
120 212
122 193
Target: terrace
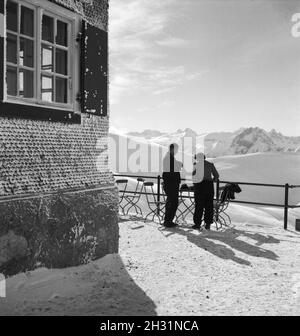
139 196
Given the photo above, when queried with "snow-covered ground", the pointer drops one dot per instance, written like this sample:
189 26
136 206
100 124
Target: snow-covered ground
253 268
269 168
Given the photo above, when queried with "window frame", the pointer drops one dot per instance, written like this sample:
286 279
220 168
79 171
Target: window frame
73 78
17 65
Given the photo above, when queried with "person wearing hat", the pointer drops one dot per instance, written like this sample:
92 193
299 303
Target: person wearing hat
204 173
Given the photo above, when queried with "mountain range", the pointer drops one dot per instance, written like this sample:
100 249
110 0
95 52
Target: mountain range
243 141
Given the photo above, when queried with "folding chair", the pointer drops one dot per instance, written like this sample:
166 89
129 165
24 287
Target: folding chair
187 201
153 203
122 182
134 198
220 206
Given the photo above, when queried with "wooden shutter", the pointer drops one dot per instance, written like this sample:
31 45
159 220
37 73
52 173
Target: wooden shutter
2 74
94 71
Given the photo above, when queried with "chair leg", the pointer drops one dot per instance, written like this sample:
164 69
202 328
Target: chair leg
224 213
138 210
122 209
217 222
218 219
146 217
154 215
151 213
222 220
131 206
179 215
141 212
188 209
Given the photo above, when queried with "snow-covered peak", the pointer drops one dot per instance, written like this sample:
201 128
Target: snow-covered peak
242 141
252 140
147 134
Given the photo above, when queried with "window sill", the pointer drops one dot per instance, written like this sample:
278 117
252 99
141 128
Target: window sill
18 109
35 103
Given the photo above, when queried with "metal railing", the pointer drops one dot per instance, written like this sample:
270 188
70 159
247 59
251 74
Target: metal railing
286 188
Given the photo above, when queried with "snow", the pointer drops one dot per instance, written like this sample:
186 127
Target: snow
99 288
251 268
269 168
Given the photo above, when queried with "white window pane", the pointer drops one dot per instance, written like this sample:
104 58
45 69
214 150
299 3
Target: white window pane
11 48
47 88
26 52
62 33
61 90
47 58
61 62
12 16
26 84
11 81
27 21
48 29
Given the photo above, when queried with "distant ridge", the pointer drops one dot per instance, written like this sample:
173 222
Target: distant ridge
243 141
147 134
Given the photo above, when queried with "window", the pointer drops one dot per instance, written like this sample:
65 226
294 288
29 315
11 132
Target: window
41 55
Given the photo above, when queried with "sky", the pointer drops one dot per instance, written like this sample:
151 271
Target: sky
209 65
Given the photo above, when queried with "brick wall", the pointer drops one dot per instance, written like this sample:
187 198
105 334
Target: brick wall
41 156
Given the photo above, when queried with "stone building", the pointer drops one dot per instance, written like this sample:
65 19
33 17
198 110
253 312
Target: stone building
58 201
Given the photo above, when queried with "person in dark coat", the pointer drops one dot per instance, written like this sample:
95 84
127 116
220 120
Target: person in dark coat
171 182
204 174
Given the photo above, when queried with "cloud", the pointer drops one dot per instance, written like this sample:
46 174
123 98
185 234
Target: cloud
138 43
197 75
167 104
117 130
120 84
163 90
173 42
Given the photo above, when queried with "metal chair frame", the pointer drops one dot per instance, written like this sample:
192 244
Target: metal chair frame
154 204
122 194
134 198
189 208
220 214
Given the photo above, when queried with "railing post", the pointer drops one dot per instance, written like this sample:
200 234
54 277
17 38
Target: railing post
286 205
158 194
217 197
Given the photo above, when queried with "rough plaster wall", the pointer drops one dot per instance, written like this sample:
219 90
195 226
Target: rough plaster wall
40 156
